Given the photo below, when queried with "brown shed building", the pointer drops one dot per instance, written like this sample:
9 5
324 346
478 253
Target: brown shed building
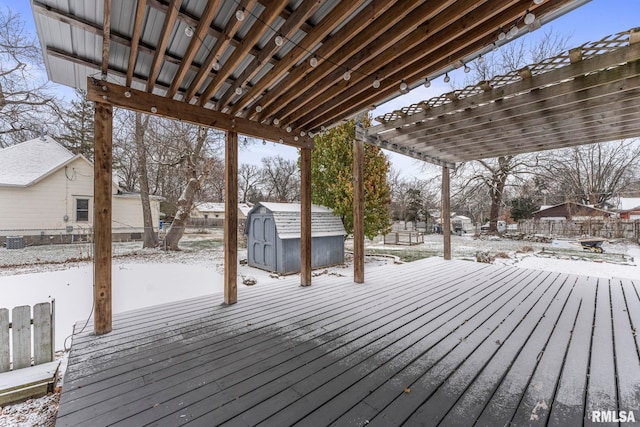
569 211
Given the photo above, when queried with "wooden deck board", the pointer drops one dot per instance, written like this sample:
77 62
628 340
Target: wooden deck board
216 347
431 341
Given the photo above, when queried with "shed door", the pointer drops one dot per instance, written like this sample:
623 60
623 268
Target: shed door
264 241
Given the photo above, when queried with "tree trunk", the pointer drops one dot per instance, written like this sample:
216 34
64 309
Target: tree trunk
499 180
150 237
179 223
185 202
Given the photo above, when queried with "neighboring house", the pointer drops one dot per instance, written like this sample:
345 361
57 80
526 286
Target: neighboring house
46 193
208 210
629 208
570 211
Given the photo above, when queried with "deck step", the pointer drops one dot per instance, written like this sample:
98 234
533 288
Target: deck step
26 383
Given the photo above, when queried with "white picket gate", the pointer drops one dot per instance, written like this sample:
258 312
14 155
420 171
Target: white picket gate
27 347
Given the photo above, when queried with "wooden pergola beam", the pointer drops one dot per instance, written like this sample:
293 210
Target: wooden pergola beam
305 217
338 51
358 206
288 29
271 12
548 139
582 116
416 154
370 49
196 41
102 188
445 215
231 218
619 56
148 103
169 22
361 95
570 92
106 31
216 52
135 40
308 43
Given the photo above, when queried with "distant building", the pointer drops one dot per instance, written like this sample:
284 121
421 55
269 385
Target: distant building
46 193
209 210
629 208
570 211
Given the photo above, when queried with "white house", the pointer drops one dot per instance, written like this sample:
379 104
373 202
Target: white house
46 192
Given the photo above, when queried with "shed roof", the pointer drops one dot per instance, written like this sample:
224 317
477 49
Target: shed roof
220 207
580 205
210 207
24 164
287 219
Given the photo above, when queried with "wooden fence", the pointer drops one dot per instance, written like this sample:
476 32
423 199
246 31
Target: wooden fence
23 374
22 334
607 228
403 238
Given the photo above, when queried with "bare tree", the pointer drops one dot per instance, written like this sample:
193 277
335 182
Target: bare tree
491 176
281 179
26 107
249 177
125 160
593 174
150 237
198 166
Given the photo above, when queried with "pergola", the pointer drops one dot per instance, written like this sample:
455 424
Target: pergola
284 70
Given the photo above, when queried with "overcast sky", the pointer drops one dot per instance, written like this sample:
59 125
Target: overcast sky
590 22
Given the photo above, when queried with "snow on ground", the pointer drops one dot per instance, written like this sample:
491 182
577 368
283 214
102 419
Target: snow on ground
135 285
148 277
575 266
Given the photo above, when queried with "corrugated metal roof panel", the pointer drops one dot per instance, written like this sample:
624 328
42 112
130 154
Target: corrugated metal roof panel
152 27
123 13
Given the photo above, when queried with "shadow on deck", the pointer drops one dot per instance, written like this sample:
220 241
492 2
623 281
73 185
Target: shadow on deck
429 342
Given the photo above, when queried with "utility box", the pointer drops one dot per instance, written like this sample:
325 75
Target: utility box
273 237
15 242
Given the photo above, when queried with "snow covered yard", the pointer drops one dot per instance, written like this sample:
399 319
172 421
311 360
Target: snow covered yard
150 277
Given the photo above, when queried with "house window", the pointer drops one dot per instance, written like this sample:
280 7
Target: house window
82 209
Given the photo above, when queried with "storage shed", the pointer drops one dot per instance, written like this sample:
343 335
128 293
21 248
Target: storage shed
273 237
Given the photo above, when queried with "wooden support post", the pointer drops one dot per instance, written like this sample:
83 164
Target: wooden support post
102 188
231 219
305 217
358 211
446 213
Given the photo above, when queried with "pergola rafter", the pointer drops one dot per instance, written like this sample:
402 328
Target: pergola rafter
587 94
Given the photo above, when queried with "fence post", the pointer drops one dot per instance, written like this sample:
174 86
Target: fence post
4 340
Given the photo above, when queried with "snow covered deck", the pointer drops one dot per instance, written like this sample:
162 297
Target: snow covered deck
431 341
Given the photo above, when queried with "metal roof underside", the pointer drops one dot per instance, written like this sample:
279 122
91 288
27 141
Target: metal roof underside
239 67
586 95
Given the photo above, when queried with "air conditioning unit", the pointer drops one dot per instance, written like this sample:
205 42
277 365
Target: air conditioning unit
15 242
